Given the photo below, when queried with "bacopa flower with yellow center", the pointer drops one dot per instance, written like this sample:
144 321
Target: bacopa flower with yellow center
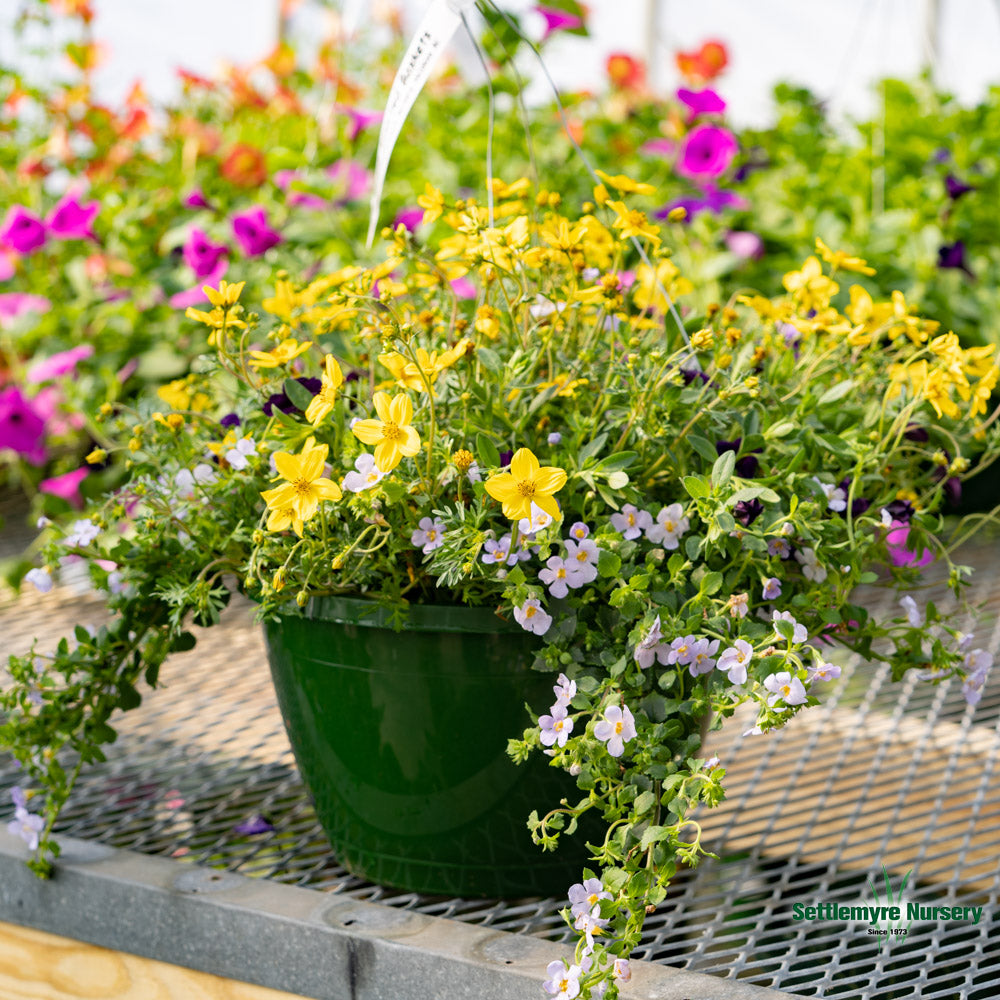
286 351
527 482
323 402
391 433
295 501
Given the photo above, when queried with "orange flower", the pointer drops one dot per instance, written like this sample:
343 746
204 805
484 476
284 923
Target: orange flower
703 64
244 166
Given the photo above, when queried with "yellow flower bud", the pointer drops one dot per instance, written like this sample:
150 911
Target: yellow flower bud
678 214
702 339
278 582
97 455
463 459
134 444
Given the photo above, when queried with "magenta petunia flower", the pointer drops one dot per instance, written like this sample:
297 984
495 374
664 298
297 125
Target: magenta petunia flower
72 220
253 233
360 119
196 296
22 230
701 102
463 288
66 486
22 429
557 20
900 554
195 199
15 304
353 178
659 147
707 152
202 255
410 217
58 364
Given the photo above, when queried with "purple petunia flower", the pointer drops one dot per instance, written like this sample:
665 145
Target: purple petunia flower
230 420
360 119
280 401
253 233
900 554
72 220
22 230
714 200
747 511
708 151
256 824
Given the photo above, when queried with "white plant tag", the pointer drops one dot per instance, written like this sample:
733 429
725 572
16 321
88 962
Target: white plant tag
434 32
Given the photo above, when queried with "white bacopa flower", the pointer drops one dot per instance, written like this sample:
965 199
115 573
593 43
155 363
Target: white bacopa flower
836 498
772 588
703 656
630 522
784 687
187 480
564 690
429 534
616 729
886 518
563 983
799 633
556 576
811 569
538 520
555 727
652 647
366 475
579 531
238 456
682 650
581 561
81 532
913 614
584 896
669 527
824 672
41 579
532 617
779 547
474 474
735 660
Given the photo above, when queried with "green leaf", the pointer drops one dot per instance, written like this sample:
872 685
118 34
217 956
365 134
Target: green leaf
761 493
692 546
183 642
653 835
299 396
394 490
619 460
609 564
618 480
487 451
696 487
128 697
835 443
644 801
490 360
780 430
703 446
835 392
711 582
722 470
591 448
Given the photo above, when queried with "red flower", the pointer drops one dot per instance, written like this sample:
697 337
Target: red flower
626 72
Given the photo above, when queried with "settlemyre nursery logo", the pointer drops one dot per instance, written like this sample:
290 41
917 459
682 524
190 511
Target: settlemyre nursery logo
888 917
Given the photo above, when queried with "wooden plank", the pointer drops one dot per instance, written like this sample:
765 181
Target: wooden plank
39 966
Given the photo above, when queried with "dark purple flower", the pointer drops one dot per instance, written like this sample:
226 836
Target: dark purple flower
253 233
747 466
71 220
747 511
900 510
914 432
956 188
505 457
859 505
279 401
707 152
251 827
701 102
230 420
22 430
952 255
22 231
693 374
201 255
757 160
714 200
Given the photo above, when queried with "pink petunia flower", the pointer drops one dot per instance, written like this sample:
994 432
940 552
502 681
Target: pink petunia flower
58 364
22 230
70 219
707 152
360 119
701 102
557 20
196 296
202 255
900 554
410 217
15 304
195 199
66 486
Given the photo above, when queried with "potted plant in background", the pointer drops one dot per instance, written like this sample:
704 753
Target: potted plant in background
506 431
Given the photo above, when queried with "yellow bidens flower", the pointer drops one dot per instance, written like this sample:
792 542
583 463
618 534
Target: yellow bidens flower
432 202
630 222
810 287
623 183
843 261
294 502
323 402
226 295
391 433
526 483
285 352
428 367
